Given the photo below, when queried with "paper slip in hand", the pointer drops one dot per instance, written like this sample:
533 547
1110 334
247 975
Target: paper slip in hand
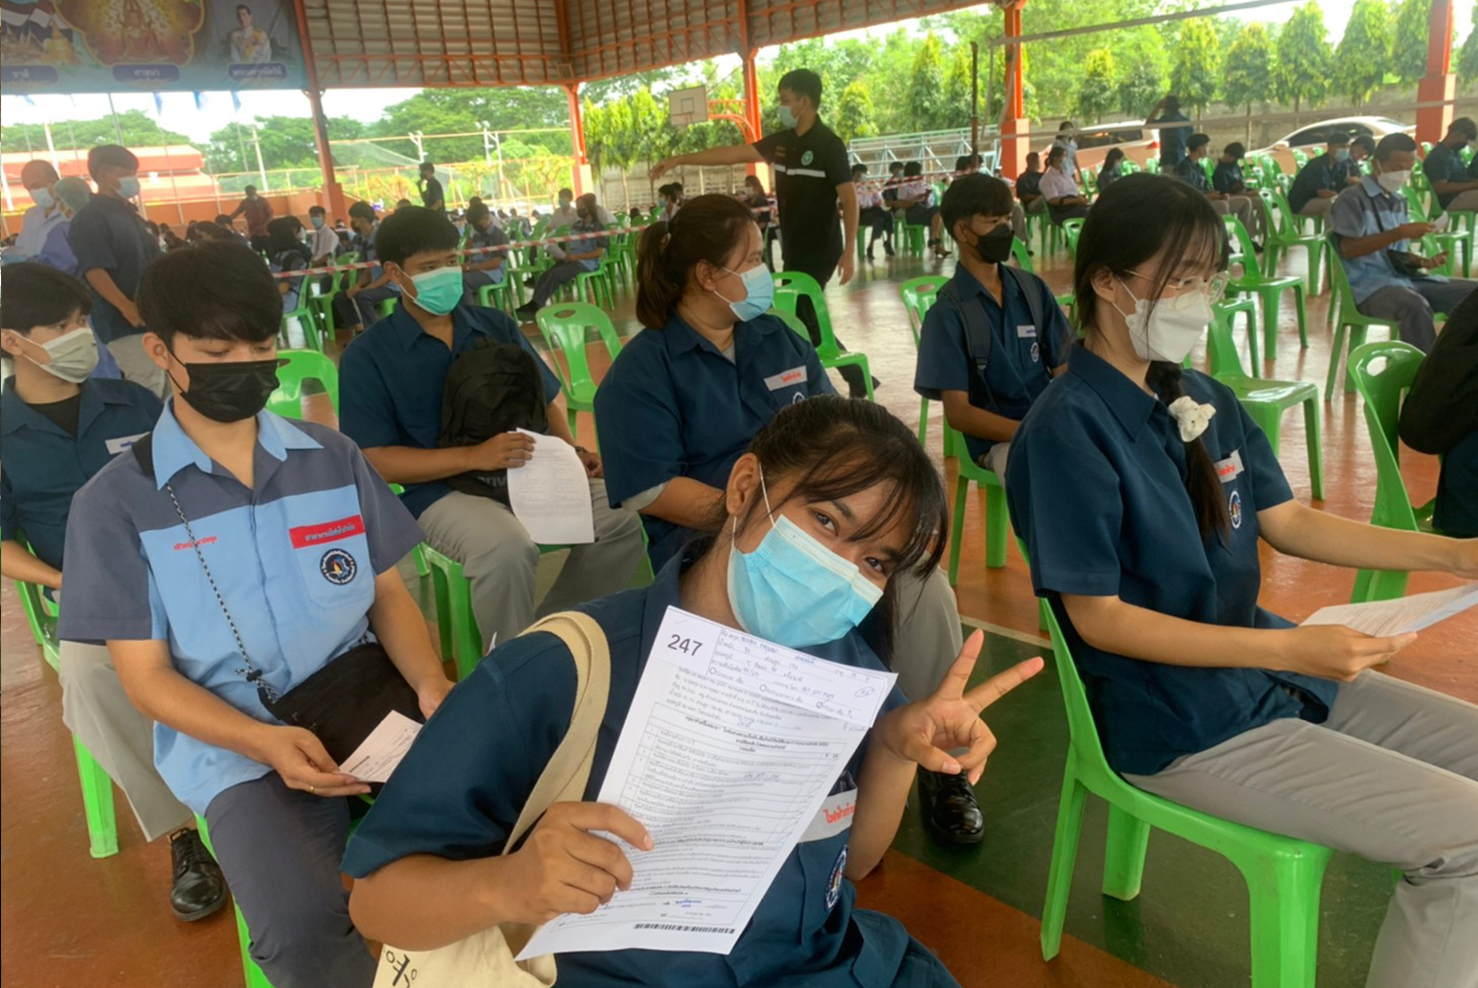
378 754
730 749
1383 618
550 494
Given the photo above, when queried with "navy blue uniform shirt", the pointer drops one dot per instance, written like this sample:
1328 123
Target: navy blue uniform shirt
672 405
109 235
1443 164
1322 172
43 466
1021 359
391 379
1227 178
1097 490
462 785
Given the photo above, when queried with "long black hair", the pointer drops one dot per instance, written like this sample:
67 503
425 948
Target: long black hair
832 448
1136 219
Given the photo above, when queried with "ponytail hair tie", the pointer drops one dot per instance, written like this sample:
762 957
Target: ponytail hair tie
1191 416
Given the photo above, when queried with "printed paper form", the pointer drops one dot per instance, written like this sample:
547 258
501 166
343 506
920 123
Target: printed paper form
550 494
1383 618
378 754
729 749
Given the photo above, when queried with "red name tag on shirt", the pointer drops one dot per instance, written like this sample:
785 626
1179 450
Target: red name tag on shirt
307 536
1230 469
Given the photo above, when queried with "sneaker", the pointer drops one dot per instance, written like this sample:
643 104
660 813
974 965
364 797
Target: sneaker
198 888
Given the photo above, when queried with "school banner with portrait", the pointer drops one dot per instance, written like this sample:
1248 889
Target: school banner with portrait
110 46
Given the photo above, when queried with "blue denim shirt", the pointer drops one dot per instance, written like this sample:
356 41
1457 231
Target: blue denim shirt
1362 211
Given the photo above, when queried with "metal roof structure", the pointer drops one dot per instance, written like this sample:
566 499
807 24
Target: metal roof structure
363 43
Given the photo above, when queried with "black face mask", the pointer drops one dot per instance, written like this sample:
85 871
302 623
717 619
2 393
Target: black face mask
230 391
995 246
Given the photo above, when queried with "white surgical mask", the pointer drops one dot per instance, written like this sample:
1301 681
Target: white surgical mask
1167 329
72 356
1393 181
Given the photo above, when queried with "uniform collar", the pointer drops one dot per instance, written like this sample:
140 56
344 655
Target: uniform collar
1130 405
173 450
408 331
680 337
17 414
971 285
1373 188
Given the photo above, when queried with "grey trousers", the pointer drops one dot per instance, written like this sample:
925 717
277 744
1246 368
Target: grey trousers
1018 222
1392 776
1412 308
1464 203
1317 207
927 638
121 740
554 279
500 559
279 850
1240 207
136 365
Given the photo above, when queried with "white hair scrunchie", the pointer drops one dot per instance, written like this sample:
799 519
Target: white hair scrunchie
1192 417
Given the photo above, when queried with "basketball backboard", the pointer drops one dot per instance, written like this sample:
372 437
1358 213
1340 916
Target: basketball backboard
688 106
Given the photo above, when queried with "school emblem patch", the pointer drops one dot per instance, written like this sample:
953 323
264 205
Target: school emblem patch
834 884
338 567
1036 354
1234 509
808 157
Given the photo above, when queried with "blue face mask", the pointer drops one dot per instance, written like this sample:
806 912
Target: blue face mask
1342 154
42 197
317 222
439 291
128 186
787 116
794 591
759 292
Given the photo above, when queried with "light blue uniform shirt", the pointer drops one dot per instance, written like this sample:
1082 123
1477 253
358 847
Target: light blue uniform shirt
1362 211
295 558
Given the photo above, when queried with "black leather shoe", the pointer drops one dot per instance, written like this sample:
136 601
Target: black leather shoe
949 808
526 312
198 888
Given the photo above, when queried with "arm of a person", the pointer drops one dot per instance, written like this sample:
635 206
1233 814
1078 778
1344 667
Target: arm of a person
732 154
1353 247
1112 625
398 623
847 195
18 564
882 792
240 208
689 503
409 465
455 899
977 422
103 283
1298 530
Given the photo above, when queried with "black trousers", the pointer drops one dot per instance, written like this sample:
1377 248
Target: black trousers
822 269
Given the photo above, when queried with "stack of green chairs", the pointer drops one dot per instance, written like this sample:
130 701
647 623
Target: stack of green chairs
790 287
1382 372
918 295
1284 233
1347 319
1269 288
565 326
295 368
1283 874
1266 401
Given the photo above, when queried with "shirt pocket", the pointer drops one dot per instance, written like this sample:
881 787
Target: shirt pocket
333 559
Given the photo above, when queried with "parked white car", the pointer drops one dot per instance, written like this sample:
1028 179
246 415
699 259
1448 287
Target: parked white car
1312 138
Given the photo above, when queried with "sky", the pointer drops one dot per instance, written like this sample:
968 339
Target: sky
180 113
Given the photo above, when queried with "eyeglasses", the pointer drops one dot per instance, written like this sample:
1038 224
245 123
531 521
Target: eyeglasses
1212 287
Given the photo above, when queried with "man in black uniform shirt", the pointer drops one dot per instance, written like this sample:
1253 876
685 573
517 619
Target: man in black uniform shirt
812 180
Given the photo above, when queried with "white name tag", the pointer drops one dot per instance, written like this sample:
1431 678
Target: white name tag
116 446
1026 332
786 379
834 816
1231 468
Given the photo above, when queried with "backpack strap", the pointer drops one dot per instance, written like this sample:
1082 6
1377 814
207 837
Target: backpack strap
565 777
978 340
143 452
1030 289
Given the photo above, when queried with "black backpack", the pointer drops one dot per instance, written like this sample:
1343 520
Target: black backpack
492 388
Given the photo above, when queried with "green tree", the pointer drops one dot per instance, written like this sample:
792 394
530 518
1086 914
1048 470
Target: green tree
1097 93
1304 59
1140 89
925 99
1409 44
287 142
1194 76
1467 60
139 129
1248 75
854 115
1364 52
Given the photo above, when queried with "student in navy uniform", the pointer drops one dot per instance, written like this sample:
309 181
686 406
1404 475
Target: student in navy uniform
286 253
484 268
849 482
1440 416
1029 186
1199 694
685 397
432 195
61 426
1446 171
1322 178
576 257
248 486
813 185
1228 179
1174 128
358 306
1192 171
392 381
995 337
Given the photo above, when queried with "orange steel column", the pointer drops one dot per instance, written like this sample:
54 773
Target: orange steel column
751 104
333 192
577 137
1439 82
1015 131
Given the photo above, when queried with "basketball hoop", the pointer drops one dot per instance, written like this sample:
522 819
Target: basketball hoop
688 106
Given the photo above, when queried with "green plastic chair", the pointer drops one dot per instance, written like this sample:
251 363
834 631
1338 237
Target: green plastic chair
1347 317
499 296
911 237
918 295
595 285
323 302
1266 401
1284 233
254 976
1071 229
565 325
306 318
996 521
1450 240
460 639
294 368
1283 874
1228 308
97 787
1021 255
1382 373
1269 288
790 286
